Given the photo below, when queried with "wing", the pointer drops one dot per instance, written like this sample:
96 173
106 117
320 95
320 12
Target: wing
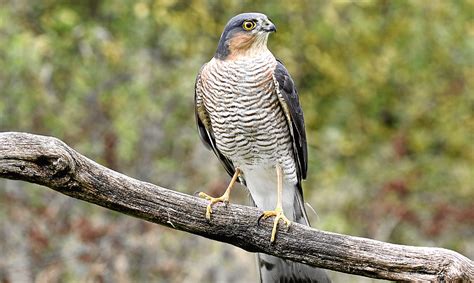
204 125
290 102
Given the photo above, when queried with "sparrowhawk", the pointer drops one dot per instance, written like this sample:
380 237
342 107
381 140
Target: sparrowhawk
248 113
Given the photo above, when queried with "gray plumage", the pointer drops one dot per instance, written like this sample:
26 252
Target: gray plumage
248 114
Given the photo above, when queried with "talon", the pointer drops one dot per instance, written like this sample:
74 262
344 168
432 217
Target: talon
204 196
224 199
278 213
208 211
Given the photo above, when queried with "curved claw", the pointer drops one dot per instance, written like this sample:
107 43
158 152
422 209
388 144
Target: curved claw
278 213
224 199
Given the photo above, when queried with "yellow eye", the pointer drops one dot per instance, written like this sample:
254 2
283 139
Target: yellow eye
248 25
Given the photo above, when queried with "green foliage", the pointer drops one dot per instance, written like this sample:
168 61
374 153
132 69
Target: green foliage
386 88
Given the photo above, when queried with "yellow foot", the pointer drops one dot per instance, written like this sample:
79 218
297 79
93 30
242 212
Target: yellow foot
278 213
224 198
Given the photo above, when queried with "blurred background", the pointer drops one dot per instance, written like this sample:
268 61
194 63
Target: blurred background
386 87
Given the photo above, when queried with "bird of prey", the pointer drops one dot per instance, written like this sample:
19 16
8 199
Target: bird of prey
248 113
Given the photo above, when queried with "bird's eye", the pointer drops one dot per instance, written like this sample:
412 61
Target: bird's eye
248 25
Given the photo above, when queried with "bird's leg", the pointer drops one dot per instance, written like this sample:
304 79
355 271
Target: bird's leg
278 212
224 198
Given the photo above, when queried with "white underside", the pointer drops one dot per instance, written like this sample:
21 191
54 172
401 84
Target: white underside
262 184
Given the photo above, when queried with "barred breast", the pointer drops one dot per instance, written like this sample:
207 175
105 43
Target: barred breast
247 119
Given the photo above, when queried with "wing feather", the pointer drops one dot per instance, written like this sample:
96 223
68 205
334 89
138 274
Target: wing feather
291 105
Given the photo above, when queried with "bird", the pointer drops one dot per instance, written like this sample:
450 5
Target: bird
248 114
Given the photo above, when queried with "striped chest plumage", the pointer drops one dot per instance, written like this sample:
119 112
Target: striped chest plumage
248 122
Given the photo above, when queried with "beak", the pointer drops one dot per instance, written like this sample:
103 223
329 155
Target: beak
269 26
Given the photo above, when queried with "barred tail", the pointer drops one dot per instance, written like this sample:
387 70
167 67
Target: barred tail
274 269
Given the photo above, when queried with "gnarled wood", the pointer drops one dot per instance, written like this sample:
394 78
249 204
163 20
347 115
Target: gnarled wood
50 162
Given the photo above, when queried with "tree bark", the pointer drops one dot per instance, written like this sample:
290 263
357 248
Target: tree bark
50 162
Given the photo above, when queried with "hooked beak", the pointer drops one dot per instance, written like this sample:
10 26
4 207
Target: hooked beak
268 26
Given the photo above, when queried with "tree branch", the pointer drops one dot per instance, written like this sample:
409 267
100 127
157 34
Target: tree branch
50 162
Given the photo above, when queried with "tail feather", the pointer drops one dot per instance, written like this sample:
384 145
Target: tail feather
274 269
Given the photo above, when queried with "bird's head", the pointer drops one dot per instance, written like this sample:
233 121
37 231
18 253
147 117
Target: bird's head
244 35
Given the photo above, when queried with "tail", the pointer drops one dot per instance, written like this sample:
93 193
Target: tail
274 269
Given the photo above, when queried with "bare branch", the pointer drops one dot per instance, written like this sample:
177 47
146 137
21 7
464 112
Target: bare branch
48 161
